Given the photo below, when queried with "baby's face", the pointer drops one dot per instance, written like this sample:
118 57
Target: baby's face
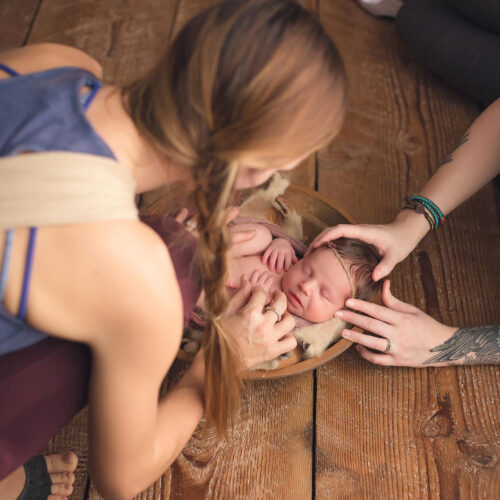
316 287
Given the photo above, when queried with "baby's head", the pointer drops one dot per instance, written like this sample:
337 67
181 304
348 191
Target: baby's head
319 284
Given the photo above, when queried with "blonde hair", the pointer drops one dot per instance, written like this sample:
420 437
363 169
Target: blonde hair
244 83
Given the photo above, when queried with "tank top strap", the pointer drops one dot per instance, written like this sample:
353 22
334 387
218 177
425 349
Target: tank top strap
88 97
7 252
21 314
8 69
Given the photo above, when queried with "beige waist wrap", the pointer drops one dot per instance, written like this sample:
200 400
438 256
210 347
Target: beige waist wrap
41 189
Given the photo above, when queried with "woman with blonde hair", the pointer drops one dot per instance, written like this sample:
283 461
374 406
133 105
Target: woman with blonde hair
245 89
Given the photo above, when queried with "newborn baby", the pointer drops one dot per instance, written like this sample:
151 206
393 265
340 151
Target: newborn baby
315 286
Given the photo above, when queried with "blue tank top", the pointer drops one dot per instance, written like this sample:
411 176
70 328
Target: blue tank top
42 111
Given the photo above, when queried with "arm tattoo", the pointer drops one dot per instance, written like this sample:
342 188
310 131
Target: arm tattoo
463 140
474 346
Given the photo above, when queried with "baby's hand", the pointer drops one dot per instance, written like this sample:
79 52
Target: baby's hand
279 255
262 278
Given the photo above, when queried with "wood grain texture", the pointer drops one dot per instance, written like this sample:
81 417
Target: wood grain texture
406 433
267 453
16 19
125 36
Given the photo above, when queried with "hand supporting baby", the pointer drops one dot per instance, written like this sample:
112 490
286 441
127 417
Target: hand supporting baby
264 337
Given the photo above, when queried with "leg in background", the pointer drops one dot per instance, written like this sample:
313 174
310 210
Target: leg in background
460 51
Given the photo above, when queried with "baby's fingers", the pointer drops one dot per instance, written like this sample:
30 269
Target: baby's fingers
288 262
272 261
279 263
266 255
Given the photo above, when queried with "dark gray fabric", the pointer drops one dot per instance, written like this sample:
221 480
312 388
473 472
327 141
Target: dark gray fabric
460 51
486 13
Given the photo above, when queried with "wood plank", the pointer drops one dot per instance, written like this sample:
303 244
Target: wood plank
126 37
16 19
398 432
267 453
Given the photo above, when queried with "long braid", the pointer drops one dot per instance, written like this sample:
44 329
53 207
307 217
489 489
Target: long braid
222 361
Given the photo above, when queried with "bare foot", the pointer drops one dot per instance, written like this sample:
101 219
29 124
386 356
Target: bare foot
60 466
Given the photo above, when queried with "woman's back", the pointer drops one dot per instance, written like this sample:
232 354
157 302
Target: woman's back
45 111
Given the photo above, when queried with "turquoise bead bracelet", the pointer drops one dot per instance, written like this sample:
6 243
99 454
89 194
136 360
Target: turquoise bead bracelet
426 207
431 203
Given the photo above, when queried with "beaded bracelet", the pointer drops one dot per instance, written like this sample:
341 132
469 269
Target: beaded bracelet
428 208
431 207
431 203
420 209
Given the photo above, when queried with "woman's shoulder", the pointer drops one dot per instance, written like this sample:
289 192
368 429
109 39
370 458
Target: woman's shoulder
122 279
45 56
148 296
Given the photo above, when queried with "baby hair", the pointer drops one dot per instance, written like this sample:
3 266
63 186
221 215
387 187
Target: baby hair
361 259
255 83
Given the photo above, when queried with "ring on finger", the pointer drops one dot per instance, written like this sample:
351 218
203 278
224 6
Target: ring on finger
275 311
388 347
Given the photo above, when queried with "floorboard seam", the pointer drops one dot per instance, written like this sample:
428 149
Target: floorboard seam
32 23
316 172
313 468
87 489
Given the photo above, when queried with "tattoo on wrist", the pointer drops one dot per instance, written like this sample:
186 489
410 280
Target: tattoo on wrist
470 346
449 158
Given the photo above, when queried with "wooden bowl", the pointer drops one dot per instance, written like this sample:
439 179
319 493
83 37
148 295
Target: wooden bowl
317 212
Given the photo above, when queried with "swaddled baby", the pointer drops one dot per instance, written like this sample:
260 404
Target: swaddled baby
315 286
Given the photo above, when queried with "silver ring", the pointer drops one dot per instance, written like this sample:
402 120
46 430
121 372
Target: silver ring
191 225
274 310
388 347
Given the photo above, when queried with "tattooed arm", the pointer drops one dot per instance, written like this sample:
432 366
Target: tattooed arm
476 345
473 163
406 336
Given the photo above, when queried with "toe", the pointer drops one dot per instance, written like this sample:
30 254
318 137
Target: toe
62 477
61 462
62 489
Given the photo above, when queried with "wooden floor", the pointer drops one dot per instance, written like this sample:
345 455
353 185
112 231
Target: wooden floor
349 430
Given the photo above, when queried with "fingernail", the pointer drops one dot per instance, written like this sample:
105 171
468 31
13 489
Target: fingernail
339 314
346 333
349 302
